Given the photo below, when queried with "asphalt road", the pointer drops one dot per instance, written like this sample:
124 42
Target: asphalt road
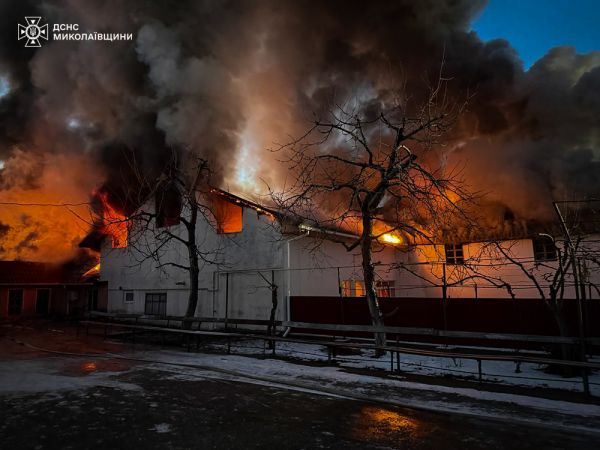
83 403
207 413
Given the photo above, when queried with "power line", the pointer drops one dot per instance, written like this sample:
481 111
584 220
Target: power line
46 204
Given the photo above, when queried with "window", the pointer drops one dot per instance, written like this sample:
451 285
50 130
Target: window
454 254
128 297
359 288
168 207
385 288
15 302
544 249
156 304
42 303
346 288
118 229
227 215
353 288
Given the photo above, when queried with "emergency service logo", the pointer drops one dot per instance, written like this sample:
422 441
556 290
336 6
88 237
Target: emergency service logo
32 31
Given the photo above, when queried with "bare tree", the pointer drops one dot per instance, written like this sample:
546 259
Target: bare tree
376 176
551 280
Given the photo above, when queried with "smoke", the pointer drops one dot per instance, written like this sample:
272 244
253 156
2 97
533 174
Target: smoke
225 80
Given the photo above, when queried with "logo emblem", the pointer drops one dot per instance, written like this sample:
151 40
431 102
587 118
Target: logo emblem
32 31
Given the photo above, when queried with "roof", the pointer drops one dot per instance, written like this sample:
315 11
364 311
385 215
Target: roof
240 201
93 240
27 272
497 223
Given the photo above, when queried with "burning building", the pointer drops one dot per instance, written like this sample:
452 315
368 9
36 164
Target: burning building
256 250
89 116
255 73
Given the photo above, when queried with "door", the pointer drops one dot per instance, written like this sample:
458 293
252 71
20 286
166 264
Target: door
15 302
42 304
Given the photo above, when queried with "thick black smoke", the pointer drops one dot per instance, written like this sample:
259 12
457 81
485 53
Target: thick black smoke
226 79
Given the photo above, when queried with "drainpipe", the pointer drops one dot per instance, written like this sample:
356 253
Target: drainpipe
289 275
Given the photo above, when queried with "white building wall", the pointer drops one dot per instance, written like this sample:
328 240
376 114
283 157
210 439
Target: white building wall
238 285
317 266
486 268
258 246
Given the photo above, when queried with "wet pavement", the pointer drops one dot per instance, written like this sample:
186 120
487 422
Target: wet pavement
65 402
168 413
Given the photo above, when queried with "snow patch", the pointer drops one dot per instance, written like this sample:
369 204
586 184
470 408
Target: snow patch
161 428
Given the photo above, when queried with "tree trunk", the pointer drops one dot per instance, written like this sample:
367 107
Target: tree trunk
193 296
271 326
567 352
194 270
369 279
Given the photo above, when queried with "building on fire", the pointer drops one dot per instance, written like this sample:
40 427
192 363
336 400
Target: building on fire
315 277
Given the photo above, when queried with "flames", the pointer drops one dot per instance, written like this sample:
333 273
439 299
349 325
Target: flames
93 272
114 223
45 212
391 238
386 233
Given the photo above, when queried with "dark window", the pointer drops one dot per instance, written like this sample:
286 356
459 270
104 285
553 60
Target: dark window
156 304
15 301
385 288
544 249
42 302
168 207
128 297
454 254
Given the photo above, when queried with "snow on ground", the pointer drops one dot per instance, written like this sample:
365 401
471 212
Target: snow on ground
300 372
335 381
502 372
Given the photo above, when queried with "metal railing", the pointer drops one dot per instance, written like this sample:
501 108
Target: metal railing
140 324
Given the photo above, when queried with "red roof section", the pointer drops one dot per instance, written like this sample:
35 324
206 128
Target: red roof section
24 272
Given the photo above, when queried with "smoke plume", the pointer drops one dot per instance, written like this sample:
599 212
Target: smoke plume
225 80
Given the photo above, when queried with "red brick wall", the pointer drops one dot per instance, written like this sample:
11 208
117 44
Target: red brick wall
58 300
519 316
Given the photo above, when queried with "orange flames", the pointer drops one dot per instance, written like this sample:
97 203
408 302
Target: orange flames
384 232
114 223
387 234
46 218
93 272
391 238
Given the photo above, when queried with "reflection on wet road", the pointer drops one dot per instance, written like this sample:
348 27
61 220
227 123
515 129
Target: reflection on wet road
380 424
